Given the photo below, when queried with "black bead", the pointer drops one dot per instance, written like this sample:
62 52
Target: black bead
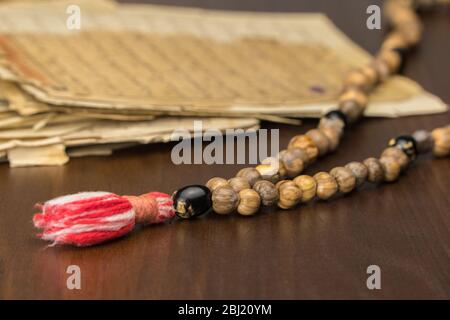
405 143
402 52
336 114
192 201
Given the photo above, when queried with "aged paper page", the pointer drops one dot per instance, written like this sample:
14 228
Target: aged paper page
188 61
52 155
78 133
54 145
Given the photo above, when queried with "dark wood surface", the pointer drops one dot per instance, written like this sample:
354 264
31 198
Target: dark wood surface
320 250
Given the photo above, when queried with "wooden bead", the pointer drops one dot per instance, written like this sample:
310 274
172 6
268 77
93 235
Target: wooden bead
326 185
371 75
269 172
333 137
375 170
407 19
239 184
267 191
352 110
271 169
320 140
394 10
289 194
302 154
216 182
249 202
358 80
308 186
412 32
250 174
279 183
337 125
344 178
441 139
394 41
359 170
292 161
392 59
357 96
391 168
306 143
282 170
397 154
424 141
382 69
399 12
225 200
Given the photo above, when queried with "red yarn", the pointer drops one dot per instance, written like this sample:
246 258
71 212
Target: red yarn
90 218
153 207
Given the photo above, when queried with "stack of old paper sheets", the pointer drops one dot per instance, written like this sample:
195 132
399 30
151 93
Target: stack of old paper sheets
135 73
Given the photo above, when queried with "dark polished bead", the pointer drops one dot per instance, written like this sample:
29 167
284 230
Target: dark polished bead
192 201
402 53
405 143
337 114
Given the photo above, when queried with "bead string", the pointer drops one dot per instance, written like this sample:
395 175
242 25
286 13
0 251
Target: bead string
304 149
246 192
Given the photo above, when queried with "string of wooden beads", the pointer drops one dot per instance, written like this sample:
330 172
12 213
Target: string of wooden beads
268 179
246 192
304 149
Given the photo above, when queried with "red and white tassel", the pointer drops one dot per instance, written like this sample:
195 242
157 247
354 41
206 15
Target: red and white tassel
90 218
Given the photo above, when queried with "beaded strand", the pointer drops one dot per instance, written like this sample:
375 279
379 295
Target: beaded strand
304 149
248 191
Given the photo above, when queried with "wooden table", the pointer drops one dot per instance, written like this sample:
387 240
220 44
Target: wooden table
315 251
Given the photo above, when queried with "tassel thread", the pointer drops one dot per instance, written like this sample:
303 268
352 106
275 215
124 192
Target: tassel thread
90 218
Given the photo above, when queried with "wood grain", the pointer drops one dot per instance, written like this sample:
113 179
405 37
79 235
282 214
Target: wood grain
319 250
